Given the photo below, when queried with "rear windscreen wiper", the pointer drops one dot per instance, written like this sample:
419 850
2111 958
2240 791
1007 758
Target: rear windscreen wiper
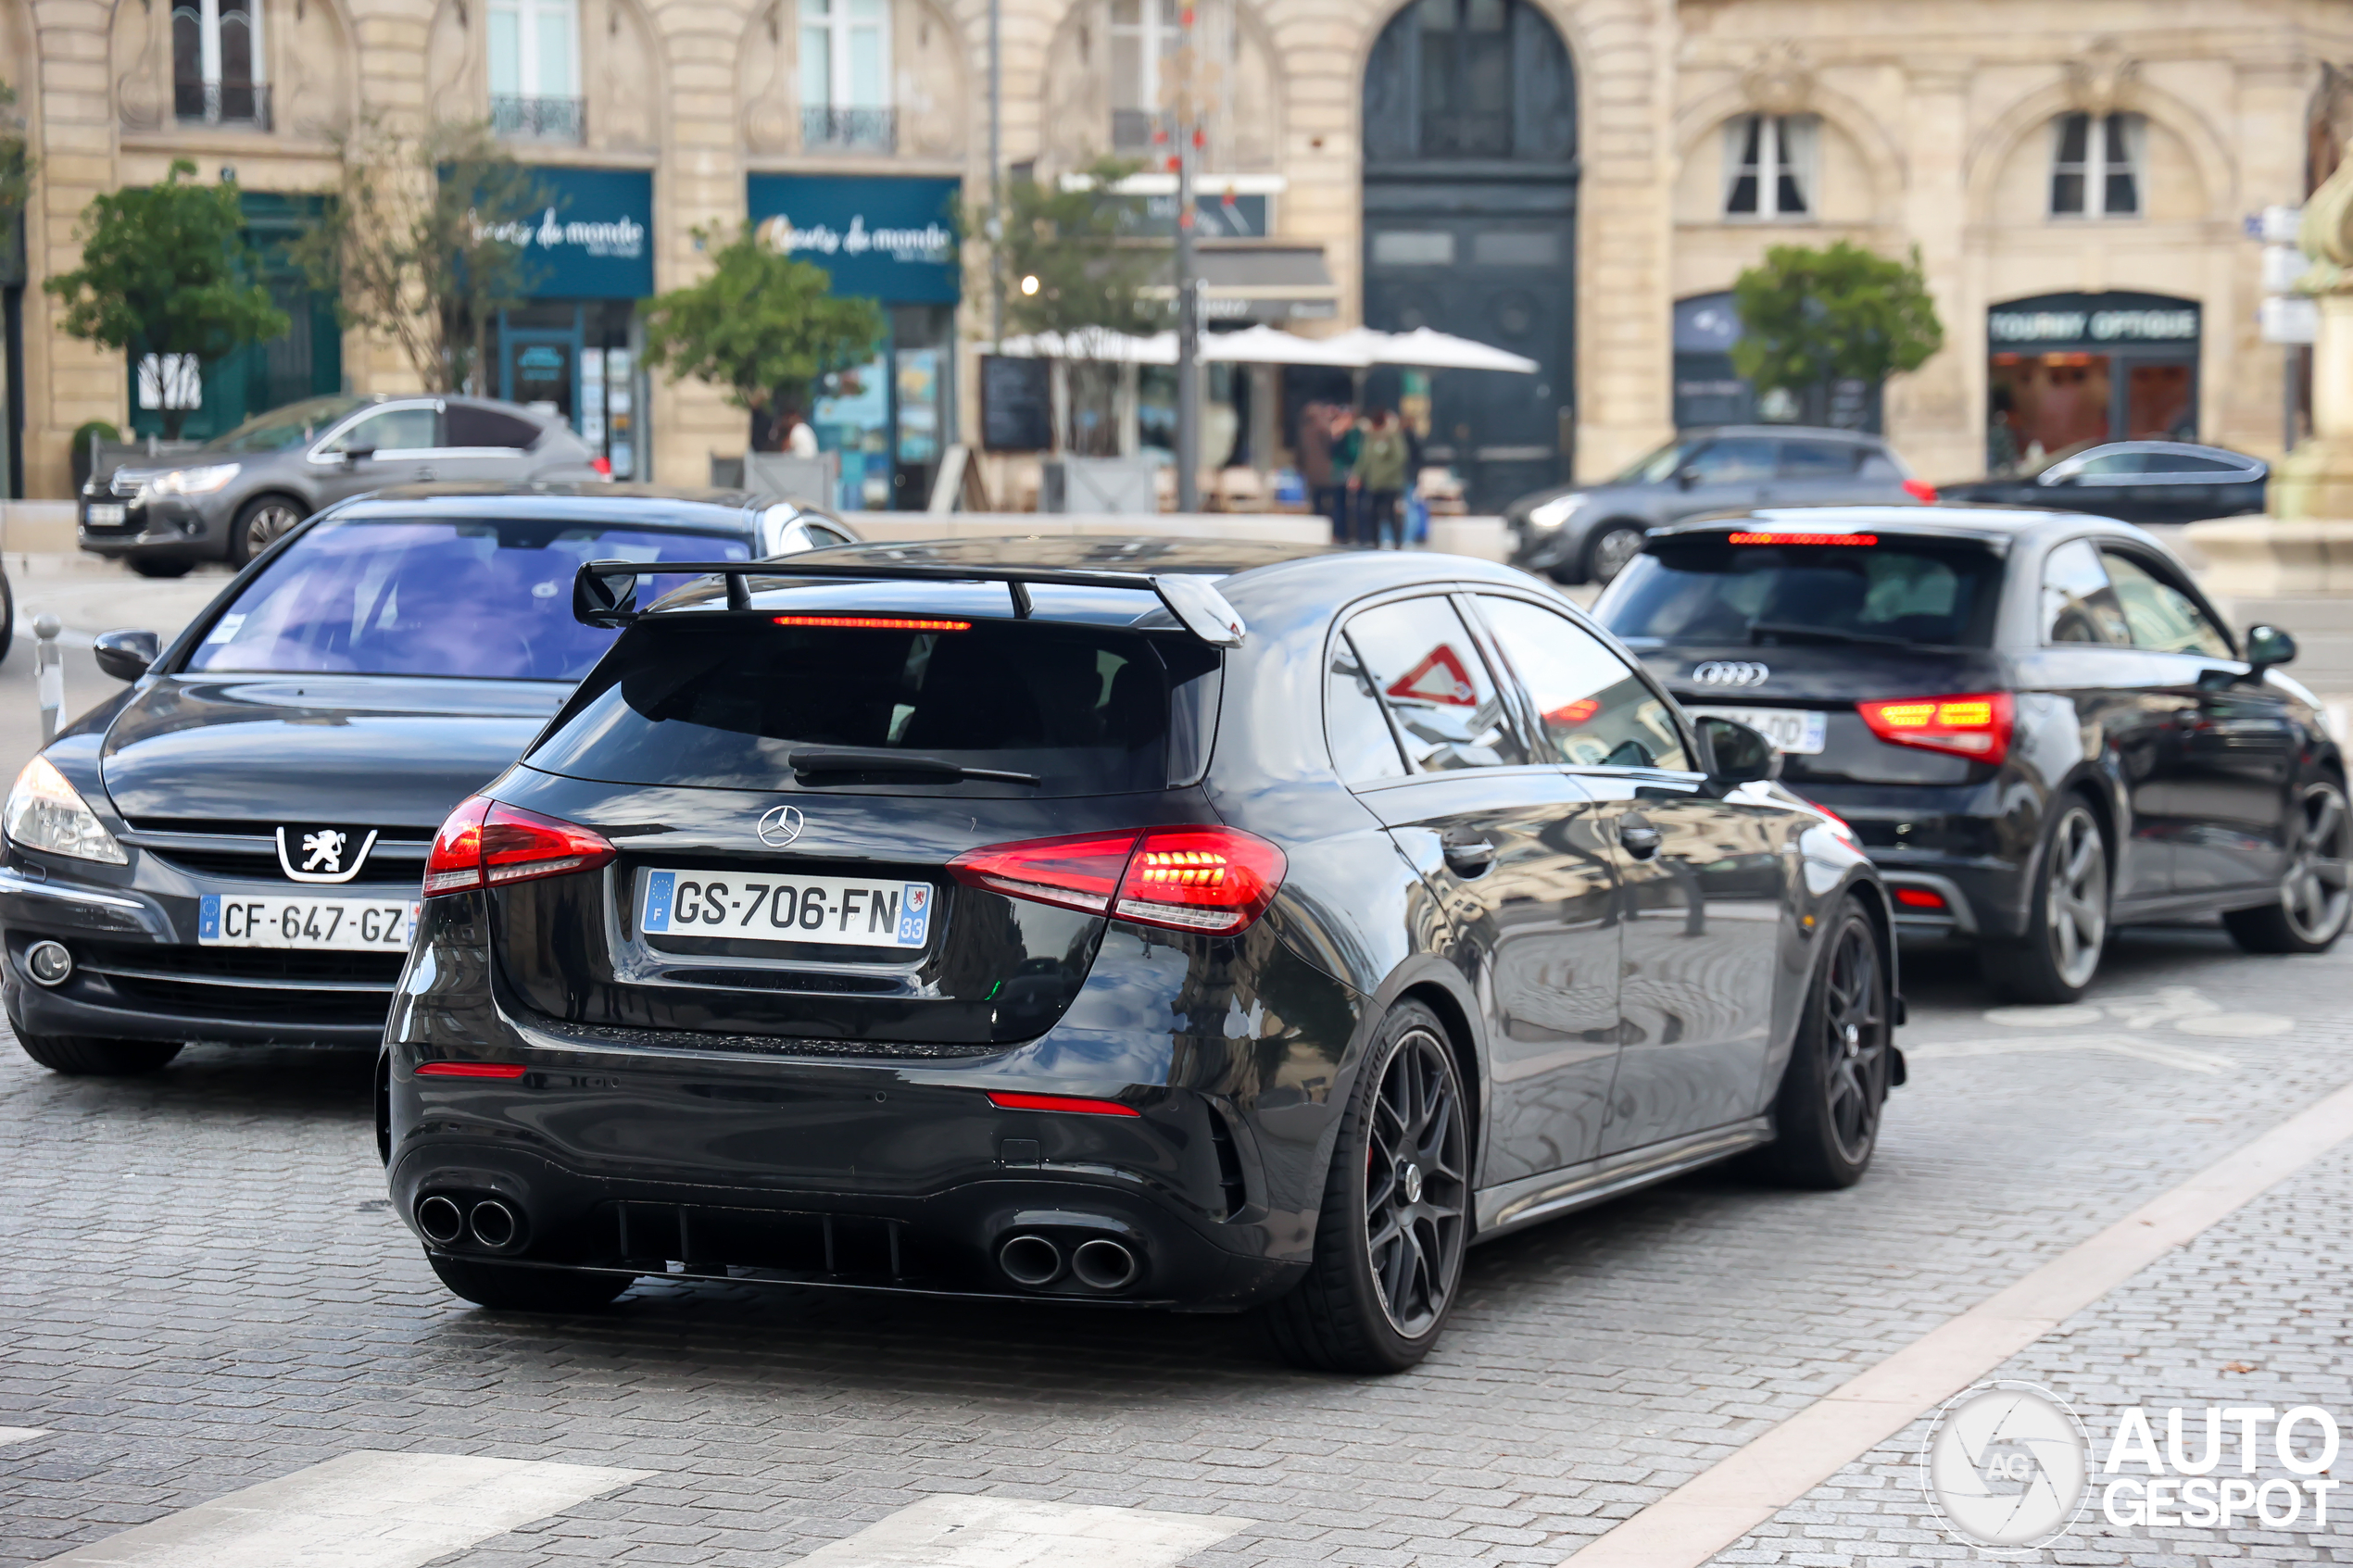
876 759
1824 634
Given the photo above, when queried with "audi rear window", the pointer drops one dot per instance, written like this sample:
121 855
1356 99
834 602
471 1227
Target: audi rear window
1870 588
728 703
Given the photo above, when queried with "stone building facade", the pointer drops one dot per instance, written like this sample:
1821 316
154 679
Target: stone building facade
1578 179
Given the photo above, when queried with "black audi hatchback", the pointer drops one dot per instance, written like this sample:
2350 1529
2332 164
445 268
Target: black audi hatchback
1139 923
231 848
2035 722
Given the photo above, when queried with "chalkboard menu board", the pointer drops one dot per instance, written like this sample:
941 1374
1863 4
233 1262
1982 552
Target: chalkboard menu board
1017 404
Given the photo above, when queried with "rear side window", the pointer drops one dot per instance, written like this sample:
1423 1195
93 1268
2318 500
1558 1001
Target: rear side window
1819 459
2078 603
2170 462
1735 461
726 704
1882 465
1704 588
1427 669
470 426
1596 712
1363 749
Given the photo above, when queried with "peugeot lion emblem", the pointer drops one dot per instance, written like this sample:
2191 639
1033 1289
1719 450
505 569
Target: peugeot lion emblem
780 826
323 852
1730 672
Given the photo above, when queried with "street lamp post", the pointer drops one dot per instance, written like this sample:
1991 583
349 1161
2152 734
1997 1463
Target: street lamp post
1188 303
996 174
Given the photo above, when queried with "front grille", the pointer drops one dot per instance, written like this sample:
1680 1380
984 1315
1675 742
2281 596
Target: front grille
249 852
378 969
378 871
260 984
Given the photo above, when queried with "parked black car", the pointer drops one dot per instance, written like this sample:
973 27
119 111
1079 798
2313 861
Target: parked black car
1586 533
231 849
2034 721
1135 922
2139 482
230 499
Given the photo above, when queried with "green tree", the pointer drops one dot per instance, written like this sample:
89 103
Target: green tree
762 326
422 240
16 164
168 269
1810 319
1075 270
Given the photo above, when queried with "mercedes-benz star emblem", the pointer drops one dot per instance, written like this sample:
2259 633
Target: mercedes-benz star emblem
1731 673
780 826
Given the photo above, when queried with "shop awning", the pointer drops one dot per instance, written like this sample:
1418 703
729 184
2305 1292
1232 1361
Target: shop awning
1263 283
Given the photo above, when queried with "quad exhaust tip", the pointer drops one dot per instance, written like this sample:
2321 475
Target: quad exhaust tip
1101 1264
1030 1260
440 1220
494 1224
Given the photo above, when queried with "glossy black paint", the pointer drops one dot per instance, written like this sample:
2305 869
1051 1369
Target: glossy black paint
2135 481
786 1099
194 773
2188 760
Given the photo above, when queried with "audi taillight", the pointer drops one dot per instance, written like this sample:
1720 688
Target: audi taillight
1920 490
1208 879
487 844
1973 724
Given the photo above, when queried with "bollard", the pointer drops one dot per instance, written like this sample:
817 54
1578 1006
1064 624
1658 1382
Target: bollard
48 672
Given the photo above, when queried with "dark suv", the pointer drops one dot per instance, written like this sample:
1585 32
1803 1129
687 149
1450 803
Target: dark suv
2034 721
1587 534
1133 922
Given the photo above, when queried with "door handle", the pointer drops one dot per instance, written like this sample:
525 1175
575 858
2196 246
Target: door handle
1466 855
1640 839
424 475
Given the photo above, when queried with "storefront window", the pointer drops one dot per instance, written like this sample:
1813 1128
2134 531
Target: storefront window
2066 371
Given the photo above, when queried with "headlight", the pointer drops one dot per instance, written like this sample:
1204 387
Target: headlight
1552 513
45 812
194 481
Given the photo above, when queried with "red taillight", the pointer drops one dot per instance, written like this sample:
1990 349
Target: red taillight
1973 724
603 467
874 622
486 843
1859 540
1920 899
1208 879
468 1070
1005 1101
1920 490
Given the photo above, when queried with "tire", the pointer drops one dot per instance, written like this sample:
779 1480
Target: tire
7 615
1396 1212
260 523
85 1056
1826 1115
2067 917
148 566
503 1287
2314 904
1611 547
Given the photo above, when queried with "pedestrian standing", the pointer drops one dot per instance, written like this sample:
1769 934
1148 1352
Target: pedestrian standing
799 440
1316 466
1380 475
1347 440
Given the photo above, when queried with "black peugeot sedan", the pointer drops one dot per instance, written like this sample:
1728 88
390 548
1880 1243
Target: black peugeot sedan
231 849
2034 721
2137 481
1175 924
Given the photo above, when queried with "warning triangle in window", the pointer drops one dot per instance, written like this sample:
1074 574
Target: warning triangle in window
1439 677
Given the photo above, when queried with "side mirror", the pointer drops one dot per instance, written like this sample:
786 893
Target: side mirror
1736 754
2267 646
354 456
606 597
1686 476
126 655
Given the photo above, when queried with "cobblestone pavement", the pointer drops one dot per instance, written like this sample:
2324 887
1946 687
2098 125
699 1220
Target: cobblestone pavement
203 1290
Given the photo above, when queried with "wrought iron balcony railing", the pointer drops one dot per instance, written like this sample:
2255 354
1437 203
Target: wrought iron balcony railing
538 119
865 131
221 103
1131 130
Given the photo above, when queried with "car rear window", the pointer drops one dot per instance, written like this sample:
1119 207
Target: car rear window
491 600
725 703
1705 588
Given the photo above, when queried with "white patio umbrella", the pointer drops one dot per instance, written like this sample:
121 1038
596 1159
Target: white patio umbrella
1263 344
1110 348
1423 349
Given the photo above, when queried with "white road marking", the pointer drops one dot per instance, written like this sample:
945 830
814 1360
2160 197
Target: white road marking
949 1531
2236 1026
1744 1489
21 1434
360 1510
2138 1047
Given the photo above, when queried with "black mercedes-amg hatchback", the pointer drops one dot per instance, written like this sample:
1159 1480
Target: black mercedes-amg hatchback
2035 721
1125 923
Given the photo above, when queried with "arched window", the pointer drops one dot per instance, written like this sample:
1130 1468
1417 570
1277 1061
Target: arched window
218 76
1469 80
1770 166
2096 165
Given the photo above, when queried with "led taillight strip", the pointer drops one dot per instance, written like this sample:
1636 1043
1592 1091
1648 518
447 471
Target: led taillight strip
1007 1100
1803 538
469 1069
874 622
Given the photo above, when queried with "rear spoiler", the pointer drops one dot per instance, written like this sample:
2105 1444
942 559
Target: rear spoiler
604 592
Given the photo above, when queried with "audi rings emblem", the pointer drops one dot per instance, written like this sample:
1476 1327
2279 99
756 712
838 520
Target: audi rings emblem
1730 672
780 826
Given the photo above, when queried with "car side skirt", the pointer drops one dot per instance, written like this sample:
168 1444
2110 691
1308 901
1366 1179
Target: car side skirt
1533 1199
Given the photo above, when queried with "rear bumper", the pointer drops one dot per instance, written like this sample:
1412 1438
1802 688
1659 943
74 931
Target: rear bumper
1946 844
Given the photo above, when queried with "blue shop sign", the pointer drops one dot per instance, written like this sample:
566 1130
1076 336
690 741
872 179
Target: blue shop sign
888 239
593 236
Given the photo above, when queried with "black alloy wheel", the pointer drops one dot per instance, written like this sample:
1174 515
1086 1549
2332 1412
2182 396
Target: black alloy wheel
1827 1116
2314 901
262 525
2067 921
159 567
1396 1215
1613 545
